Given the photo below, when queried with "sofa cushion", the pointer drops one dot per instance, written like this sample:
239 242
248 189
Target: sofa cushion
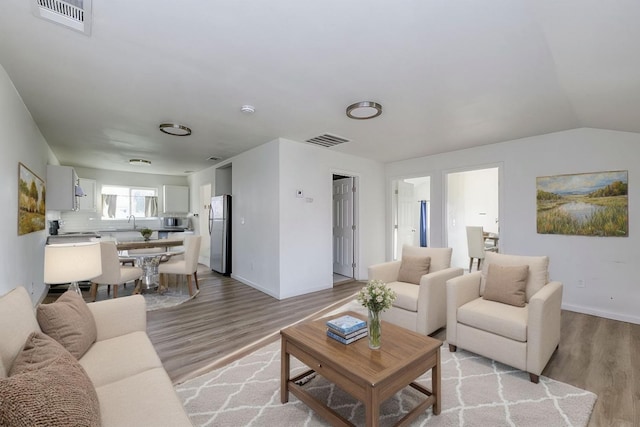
47 387
500 319
144 399
119 357
406 295
18 319
413 268
506 284
69 321
538 270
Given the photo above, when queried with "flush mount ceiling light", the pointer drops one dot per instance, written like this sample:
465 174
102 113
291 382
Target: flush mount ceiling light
364 110
139 162
175 129
248 109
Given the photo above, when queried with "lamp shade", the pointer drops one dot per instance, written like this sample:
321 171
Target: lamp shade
73 262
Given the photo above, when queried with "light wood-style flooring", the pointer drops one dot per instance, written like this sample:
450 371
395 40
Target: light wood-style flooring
227 317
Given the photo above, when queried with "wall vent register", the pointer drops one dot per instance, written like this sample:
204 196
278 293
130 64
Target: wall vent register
74 14
327 140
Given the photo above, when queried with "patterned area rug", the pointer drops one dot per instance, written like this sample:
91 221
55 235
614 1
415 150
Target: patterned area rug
476 392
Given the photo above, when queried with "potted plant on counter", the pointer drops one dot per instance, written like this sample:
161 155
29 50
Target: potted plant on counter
146 233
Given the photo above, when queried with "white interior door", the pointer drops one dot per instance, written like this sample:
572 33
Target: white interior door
343 226
407 212
203 223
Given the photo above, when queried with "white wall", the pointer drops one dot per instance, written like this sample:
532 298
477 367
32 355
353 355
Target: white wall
21 257
606 264
255 218
199 208
306 252
282 244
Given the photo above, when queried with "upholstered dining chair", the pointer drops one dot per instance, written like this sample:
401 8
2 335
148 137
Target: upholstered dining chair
508 312
188 266
476 245
113 273
418 280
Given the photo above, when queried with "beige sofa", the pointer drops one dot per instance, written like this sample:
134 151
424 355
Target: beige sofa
523 336
420 306
132 387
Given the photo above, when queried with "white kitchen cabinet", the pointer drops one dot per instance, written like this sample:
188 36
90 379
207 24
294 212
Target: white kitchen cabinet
175 199
62 182
88 202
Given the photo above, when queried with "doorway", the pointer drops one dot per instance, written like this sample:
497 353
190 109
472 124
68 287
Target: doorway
472 200
411 215
345 231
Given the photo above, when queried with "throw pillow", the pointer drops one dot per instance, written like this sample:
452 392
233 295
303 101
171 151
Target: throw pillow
506 284
412 268
69 321
47 387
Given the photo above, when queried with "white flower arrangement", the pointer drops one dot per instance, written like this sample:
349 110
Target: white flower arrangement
376 296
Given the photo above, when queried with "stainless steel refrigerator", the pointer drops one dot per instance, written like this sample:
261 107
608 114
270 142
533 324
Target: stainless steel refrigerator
220 233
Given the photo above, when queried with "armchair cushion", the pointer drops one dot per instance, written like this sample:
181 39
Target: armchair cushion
538 270
506 284
496 318
69 321
413 268
406 295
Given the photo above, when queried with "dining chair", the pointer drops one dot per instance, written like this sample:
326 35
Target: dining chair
188 266
476 245
113 273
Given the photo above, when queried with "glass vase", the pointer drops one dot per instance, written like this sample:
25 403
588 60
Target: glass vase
374 329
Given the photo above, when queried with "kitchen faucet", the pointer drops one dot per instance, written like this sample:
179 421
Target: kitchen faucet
134 220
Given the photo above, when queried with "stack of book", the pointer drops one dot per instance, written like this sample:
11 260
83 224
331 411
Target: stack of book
346 329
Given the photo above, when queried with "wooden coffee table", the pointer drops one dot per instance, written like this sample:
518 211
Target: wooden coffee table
371 376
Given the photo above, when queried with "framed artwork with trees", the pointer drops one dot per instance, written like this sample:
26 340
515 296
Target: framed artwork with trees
31 201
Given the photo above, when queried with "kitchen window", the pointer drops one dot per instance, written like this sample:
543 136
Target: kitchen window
119 202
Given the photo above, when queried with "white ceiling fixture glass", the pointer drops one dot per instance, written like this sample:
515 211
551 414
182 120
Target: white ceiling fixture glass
248 109
141 162
175 129
364 110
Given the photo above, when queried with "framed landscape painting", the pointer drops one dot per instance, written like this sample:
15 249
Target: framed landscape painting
587 204
31 201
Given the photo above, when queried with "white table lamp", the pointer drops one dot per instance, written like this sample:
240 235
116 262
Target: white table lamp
71 263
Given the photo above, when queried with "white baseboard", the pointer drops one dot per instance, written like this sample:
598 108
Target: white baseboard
601 313
255 285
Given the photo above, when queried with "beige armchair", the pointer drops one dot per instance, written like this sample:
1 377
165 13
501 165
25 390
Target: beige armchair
524 336
419 306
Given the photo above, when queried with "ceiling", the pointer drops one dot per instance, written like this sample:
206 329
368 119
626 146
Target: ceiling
449 74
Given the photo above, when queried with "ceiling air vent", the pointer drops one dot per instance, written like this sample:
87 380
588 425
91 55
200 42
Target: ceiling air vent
327 140
74 14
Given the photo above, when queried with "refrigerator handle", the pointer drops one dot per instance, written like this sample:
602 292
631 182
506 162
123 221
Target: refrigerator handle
210 218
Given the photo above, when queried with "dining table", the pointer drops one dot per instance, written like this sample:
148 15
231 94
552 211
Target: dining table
148 261
492 237
149 244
